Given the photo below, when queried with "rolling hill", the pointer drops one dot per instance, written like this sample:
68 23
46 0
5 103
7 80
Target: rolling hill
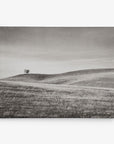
91 77
76 94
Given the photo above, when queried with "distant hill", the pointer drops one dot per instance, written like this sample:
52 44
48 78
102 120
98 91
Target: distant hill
89 77
28 77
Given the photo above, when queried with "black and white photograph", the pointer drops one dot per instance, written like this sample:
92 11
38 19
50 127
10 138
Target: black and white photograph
56 72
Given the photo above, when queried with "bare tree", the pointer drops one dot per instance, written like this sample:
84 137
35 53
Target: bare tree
26 71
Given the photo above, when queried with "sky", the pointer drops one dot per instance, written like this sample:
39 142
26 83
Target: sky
55 49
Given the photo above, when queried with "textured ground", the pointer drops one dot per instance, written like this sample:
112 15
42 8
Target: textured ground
87 93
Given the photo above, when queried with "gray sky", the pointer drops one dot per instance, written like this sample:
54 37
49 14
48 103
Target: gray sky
54 50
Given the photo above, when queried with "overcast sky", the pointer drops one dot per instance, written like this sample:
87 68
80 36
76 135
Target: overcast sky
54 50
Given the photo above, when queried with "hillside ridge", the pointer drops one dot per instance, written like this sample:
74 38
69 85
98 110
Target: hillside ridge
63 78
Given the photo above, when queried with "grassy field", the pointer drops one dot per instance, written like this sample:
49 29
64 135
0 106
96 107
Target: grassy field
81 94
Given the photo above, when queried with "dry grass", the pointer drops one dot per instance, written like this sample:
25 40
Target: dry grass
28 101
78 94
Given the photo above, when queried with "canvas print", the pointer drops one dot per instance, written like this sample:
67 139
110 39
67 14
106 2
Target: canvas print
56 72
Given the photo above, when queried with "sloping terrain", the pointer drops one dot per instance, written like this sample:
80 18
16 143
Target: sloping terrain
21 100
78 94
94 77
29 77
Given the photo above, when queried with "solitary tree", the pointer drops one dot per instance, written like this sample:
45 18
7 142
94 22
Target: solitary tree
26 71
